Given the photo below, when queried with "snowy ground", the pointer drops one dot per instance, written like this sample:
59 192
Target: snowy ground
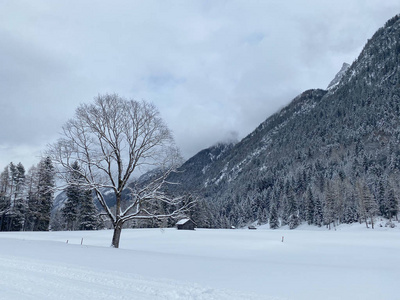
350 263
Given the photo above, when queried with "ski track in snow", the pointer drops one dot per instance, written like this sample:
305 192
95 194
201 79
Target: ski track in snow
28 279
350 262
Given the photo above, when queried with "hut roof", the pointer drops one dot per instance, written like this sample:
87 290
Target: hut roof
183 221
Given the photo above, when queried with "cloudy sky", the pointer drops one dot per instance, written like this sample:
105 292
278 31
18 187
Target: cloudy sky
215 69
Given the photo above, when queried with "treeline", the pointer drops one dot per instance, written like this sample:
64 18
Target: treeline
26 200
78 211
316 197
349 185
26 197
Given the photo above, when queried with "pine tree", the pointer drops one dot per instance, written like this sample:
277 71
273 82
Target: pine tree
200 213
318 214
310 207
273 216
74 193
291 210
17 213
88 216
45 194
262 216
285 214
368 205
12 182
32 211
17 216
70 211
12 203
294 221
329 207
19 181
5 202
351 210
57 222
381 199
392 205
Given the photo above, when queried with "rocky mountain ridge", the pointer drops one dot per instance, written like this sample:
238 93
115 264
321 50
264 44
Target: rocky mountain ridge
337 139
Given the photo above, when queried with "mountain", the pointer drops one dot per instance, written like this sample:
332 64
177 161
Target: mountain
330 156
192 174
338 76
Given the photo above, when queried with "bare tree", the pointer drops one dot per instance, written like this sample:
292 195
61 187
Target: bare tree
368 205
111 139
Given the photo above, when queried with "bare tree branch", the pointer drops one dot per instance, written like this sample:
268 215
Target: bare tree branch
111 139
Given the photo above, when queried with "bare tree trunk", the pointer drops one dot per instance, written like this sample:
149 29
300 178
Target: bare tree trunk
372 222
118 223
116 235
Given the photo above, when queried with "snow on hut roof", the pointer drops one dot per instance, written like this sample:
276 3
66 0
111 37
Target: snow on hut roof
183 221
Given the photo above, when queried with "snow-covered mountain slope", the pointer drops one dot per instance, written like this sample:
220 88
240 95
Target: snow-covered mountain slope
323 141
192 175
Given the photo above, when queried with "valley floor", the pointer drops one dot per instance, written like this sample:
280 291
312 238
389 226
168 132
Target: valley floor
351 262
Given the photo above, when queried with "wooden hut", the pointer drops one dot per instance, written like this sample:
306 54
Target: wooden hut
185 224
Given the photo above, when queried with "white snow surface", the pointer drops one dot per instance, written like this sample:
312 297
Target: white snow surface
351 262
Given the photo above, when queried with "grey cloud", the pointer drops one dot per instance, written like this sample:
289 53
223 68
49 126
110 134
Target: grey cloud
212 67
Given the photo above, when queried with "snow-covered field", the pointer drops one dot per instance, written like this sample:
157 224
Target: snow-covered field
351 262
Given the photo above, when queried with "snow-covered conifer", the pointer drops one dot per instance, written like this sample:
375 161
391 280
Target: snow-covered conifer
88 215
